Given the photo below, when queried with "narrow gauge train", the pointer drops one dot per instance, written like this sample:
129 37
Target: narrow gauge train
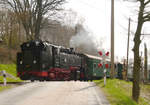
43 61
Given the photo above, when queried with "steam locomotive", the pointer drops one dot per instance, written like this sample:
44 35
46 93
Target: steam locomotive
44 61
40 60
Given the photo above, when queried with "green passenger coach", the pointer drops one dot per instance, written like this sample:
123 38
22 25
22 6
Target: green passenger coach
92 69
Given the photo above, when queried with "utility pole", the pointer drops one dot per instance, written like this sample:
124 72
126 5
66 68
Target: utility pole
112 39
128 48
145 62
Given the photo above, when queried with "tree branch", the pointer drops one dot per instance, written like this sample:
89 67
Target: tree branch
147 2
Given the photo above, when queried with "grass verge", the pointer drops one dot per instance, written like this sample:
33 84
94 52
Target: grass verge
11 69
118 92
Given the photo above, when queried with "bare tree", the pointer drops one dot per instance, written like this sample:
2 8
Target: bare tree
9 28
61 31
57 34
31 13
143 16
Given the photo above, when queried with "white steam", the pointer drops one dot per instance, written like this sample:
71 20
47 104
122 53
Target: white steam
86 42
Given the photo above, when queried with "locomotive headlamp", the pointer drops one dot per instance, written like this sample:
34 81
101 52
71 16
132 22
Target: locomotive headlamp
43 66
36 43
28 45
21 62
34 61
65 60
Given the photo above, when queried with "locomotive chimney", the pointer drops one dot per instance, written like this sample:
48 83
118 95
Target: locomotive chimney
72 49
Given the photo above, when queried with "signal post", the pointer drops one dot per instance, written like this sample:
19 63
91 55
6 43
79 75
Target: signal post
104 65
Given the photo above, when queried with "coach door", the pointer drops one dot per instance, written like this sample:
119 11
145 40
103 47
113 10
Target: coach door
94 74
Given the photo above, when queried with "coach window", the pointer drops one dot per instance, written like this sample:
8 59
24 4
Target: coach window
94 65
100 61
73 60
56 51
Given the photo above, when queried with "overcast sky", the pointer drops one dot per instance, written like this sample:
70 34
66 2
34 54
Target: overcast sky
97 17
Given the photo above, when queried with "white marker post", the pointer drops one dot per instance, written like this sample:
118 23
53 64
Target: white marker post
4 77
104 77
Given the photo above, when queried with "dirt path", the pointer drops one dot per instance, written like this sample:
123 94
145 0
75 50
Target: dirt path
54 93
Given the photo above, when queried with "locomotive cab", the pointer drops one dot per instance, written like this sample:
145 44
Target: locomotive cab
31 55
